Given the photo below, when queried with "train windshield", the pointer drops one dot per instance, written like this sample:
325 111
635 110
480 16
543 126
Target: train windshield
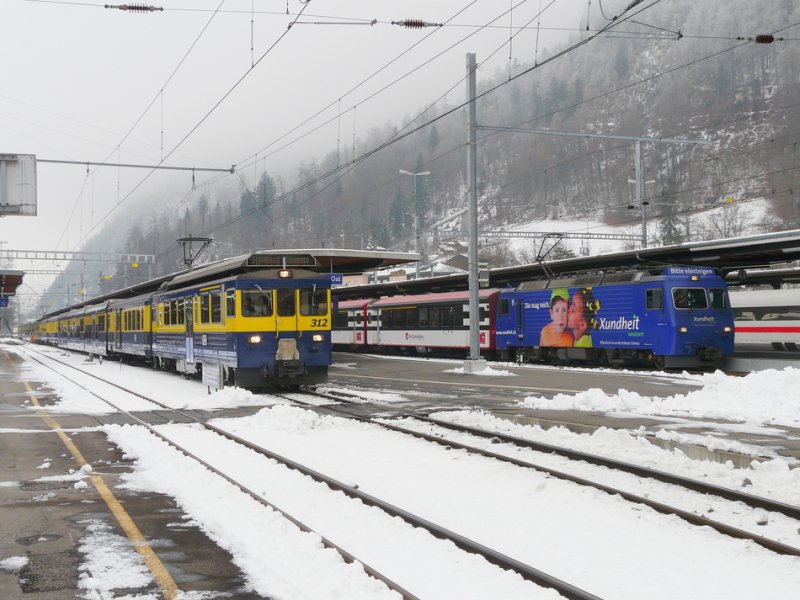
718 298
313 301
689 298
256 302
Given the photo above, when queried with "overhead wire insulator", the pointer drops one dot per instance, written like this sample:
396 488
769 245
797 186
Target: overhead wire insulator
415 24
135 7
762 38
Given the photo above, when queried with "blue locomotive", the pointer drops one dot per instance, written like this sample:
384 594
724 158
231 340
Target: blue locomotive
671 317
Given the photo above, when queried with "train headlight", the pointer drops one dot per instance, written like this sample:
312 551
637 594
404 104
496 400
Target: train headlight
254 339
284 273
317 337
683 329
727 329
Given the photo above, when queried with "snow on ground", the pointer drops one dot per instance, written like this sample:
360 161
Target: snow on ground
13 563
170 389
487 372
769 397
109 563
750 214
569 526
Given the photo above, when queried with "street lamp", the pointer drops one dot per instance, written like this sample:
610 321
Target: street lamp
416 216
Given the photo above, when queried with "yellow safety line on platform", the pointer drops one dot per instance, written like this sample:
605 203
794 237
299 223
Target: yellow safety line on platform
164 580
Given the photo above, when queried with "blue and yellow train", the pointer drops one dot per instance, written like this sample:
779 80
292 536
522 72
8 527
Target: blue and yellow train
253 328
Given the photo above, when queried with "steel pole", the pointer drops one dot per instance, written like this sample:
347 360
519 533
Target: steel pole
638 163
474 362
416 227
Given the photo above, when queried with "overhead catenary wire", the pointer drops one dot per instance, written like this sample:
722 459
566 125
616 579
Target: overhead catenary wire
622 88
203 119
158 95
379 148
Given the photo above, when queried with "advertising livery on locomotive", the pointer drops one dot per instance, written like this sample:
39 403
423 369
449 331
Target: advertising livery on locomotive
678 317
672 316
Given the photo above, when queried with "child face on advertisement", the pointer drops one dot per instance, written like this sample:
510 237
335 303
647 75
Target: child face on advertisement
577 317
558 314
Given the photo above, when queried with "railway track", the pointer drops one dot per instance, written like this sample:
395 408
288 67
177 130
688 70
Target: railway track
492 556
496 438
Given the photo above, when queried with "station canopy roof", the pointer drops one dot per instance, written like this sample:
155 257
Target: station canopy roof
322 260
742 260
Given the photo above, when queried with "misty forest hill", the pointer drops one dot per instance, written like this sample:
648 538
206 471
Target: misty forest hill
695 81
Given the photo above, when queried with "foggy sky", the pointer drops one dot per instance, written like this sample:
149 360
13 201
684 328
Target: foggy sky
85 83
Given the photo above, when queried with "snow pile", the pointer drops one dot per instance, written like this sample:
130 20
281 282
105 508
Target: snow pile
487 372
773 478
13 564
769 397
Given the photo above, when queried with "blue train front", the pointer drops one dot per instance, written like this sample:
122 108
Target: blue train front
263 328
673 317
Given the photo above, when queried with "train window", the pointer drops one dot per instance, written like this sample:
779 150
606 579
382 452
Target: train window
216 306
655 298
387 319
230 303
286 303
718 299
689 298
401 318
313 301
505 306
412 320
458 316
424 322
181 308
447 317
256 302
483 312
743 315
101 324
205 308
436 318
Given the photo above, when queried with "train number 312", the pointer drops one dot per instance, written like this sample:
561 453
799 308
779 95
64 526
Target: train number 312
319 322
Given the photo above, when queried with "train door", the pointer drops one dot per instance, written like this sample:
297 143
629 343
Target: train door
287 311
189 312
118 330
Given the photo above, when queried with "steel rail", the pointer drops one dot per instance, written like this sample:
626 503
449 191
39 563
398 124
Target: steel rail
346 556
660 507
788 510
498 559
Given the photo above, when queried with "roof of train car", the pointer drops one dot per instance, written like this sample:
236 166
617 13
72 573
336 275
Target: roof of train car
431 298
324 260
764 298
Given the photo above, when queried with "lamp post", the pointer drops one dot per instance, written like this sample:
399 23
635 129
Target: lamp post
416 215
